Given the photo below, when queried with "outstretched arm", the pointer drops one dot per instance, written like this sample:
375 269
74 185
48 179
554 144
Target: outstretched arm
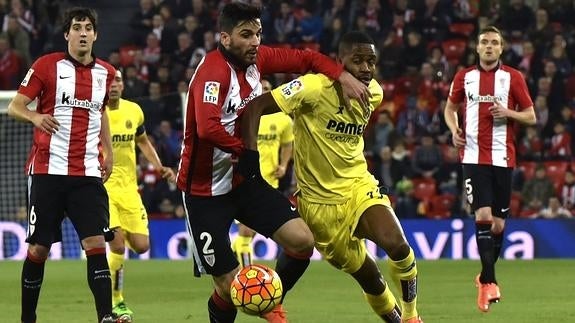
283 60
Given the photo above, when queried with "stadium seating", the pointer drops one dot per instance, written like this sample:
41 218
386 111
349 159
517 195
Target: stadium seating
440 206
515 205
556 170
424 188
462 29
127 53
528 169
453 50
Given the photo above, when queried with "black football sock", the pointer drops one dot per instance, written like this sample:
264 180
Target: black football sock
486 251
32 277
290 267
221 311
497 245
99 280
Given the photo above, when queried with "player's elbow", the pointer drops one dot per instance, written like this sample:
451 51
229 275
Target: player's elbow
11 110
205 133
530 120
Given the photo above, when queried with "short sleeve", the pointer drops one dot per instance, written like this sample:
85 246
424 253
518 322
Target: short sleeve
33 83
457 91
301 91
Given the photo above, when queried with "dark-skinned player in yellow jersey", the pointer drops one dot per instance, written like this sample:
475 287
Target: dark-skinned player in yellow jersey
338 198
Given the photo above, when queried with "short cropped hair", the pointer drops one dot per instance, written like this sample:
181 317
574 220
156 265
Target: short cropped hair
80 14
491 29
236 12
354 37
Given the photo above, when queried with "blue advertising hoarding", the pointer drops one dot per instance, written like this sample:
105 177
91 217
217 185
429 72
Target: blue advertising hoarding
430 239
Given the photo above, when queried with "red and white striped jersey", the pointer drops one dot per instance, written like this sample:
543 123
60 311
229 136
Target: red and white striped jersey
76 96
217 93
489 141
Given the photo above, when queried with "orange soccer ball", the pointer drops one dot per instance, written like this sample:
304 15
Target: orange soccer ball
256 289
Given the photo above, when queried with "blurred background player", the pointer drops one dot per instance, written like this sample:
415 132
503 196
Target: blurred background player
337 196
128 217
70 158
495 96
275 144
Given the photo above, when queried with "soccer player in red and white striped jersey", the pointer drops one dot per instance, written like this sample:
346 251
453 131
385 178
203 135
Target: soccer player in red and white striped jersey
494 98
70 158
215 189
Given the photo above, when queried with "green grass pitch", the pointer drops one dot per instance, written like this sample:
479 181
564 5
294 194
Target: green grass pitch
166 291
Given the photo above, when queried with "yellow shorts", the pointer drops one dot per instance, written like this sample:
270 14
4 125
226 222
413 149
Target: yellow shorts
127 212
333 225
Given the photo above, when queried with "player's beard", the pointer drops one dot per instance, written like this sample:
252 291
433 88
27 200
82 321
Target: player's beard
489 60
242 54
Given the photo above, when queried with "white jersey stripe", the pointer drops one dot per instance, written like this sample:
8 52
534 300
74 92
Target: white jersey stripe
471 153
222 172
499 141
91 162
193 247
60 141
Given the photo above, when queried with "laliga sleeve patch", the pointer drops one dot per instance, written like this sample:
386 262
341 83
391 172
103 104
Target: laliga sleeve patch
291 88
27 77
211 92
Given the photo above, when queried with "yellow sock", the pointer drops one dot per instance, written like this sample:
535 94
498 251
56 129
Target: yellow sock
382 304
116 263
404 275
242 246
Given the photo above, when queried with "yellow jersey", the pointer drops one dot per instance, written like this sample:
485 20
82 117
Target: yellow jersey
328 145
125 126
275 130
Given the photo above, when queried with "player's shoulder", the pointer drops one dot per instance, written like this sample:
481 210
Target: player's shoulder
375 88
213 65
111 69
376 93
128 105
315 81
304 86
213 68
463 71
513 71
49 59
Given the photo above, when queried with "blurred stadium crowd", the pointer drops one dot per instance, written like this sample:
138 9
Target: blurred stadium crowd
421 45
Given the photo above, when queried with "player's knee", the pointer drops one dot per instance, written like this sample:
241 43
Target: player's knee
93 242
399 250
295 236
140 248
483 214
38 251
301 245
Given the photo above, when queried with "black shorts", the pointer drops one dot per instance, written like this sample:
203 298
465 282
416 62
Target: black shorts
52 197
254 203
487 185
